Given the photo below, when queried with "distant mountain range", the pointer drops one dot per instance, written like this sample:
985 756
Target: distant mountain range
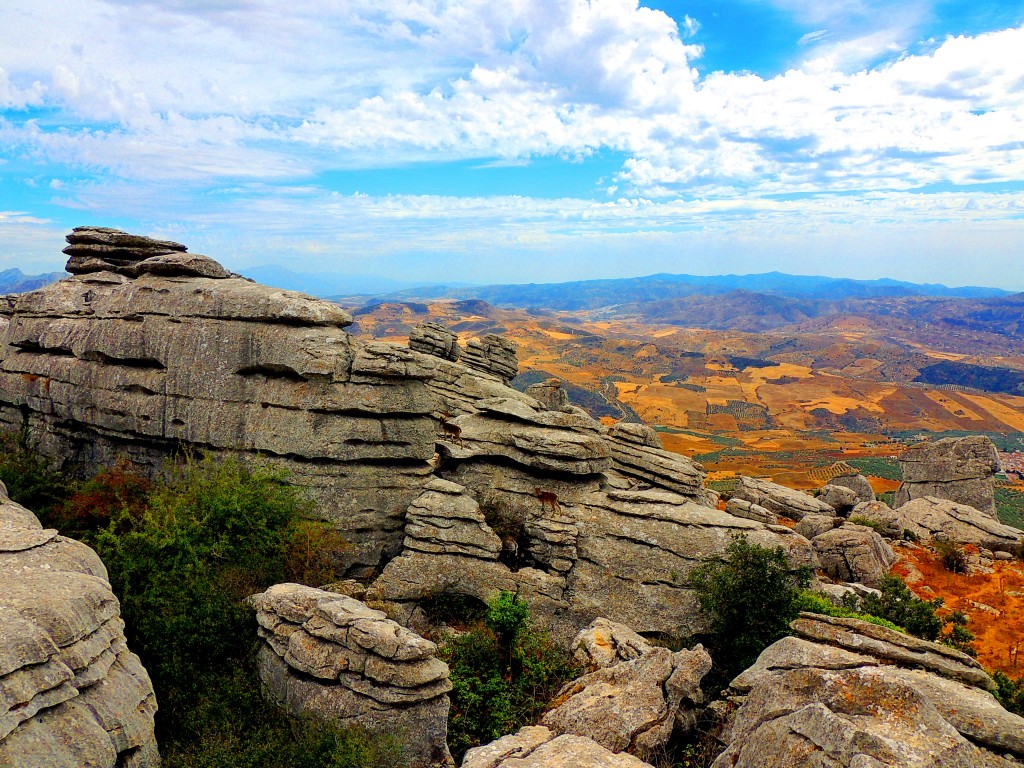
595 294
16 281
332 285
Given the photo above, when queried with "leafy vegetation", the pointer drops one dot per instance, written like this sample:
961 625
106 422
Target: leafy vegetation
749 598
983 377
815 602
902 607
1010 692
503 673
877 466
28 478
953 556
1010 506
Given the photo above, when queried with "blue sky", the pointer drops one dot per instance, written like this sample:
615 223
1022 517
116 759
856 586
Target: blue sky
528 141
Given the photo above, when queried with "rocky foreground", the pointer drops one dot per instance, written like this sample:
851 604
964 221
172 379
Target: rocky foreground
444 481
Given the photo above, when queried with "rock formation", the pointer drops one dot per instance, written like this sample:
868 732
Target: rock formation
492 354
537 747
434 339
71 693
780 500
550 395
856 483
881 516
839 497
633 704
331 657
854 553
960 469
107 363
931 518
843 693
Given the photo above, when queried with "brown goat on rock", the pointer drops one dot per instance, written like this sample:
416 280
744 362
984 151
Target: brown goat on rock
547 498
449 431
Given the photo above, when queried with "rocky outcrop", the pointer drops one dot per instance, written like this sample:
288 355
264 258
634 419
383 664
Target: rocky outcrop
839 497
636 451
604 643
959 469
494 355
332 658
780 500
634 706
856 483
138 362
537 747
550 395
811 526
880 516
621 554
854 553
434 339
745 509
71 693
843 693
931 518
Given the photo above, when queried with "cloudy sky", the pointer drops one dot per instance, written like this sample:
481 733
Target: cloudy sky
525 140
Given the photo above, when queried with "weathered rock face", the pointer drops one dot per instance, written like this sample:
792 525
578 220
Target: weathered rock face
780 500
840 498
550 395
621 554
331 657
887 520
960 469
492 354
741 508
845 694
71 693
434 339
103 364
634 706
854 553
537 747
636 451
604 643
931 518
856 483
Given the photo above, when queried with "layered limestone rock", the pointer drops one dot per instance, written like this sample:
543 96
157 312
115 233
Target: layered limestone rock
332 658
538 747
494 355
624 555
780 500
604 643
550 395
931 518
839 497
847 694
636 451
107 363
71 693
633 705
960 469
881 516
434 339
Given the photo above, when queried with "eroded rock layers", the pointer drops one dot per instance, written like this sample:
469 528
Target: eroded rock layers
71 693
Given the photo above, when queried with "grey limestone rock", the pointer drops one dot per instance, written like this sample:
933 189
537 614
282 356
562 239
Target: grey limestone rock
71 693
492 354
743 508
849 694
931 518
634 705
886 520
856 483
550 395
331 657
538 747
854 553
604 643
840 498
811 526
434 339
780 500
959 469
636 452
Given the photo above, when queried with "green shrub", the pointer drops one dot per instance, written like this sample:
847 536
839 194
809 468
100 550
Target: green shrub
903 608
1010 692
503 673
954 557
28 476
956 635
748 599
814 602
874 525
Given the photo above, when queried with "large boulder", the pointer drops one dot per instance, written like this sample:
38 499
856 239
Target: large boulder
71 693
434 339
332 658
959 469
856 483
634 705
854 553
538 747
780 500
931 518
839 497
494 355
843 693
604 643
880 516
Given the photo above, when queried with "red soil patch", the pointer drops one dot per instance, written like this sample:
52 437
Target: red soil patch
994 604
